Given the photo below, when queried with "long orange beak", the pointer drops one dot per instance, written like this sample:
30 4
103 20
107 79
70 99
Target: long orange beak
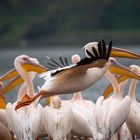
18 80
118 68
122 53
26 100
27 67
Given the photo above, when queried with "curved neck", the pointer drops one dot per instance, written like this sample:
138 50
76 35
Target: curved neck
132 89
114 83
122 86
22 91
77 96
27 79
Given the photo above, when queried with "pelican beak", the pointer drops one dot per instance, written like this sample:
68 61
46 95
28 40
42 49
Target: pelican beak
29 66
117 52
118 68
26 100
10 74
16 81
109 89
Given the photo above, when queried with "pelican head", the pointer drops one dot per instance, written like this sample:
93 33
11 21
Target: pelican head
56 102
135 69
28 64
75 58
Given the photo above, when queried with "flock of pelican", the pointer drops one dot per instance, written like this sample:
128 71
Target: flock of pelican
115 117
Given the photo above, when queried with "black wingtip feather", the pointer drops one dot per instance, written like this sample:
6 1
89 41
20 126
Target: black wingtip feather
61 61
66 61
100 50
90 54
52 65
109 50
95 52
104 49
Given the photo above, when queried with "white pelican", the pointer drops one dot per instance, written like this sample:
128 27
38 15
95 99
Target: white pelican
134 116
133 120
79 76
25 122
58 119
111 113
123 133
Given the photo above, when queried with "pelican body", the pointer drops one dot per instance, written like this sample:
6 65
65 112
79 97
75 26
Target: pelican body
133 120
58 119
25 122
111 113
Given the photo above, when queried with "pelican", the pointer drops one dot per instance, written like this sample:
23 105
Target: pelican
133 117
25 122
133 120
123 133
4 131
75 77
58 119
111 113
79 76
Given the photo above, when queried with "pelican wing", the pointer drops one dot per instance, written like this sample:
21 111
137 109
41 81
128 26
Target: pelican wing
102 54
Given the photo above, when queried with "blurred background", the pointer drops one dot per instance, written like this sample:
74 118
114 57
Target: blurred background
62 27
48 27
32 23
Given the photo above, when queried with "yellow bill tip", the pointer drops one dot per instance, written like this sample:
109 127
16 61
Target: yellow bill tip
118 68
122 53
